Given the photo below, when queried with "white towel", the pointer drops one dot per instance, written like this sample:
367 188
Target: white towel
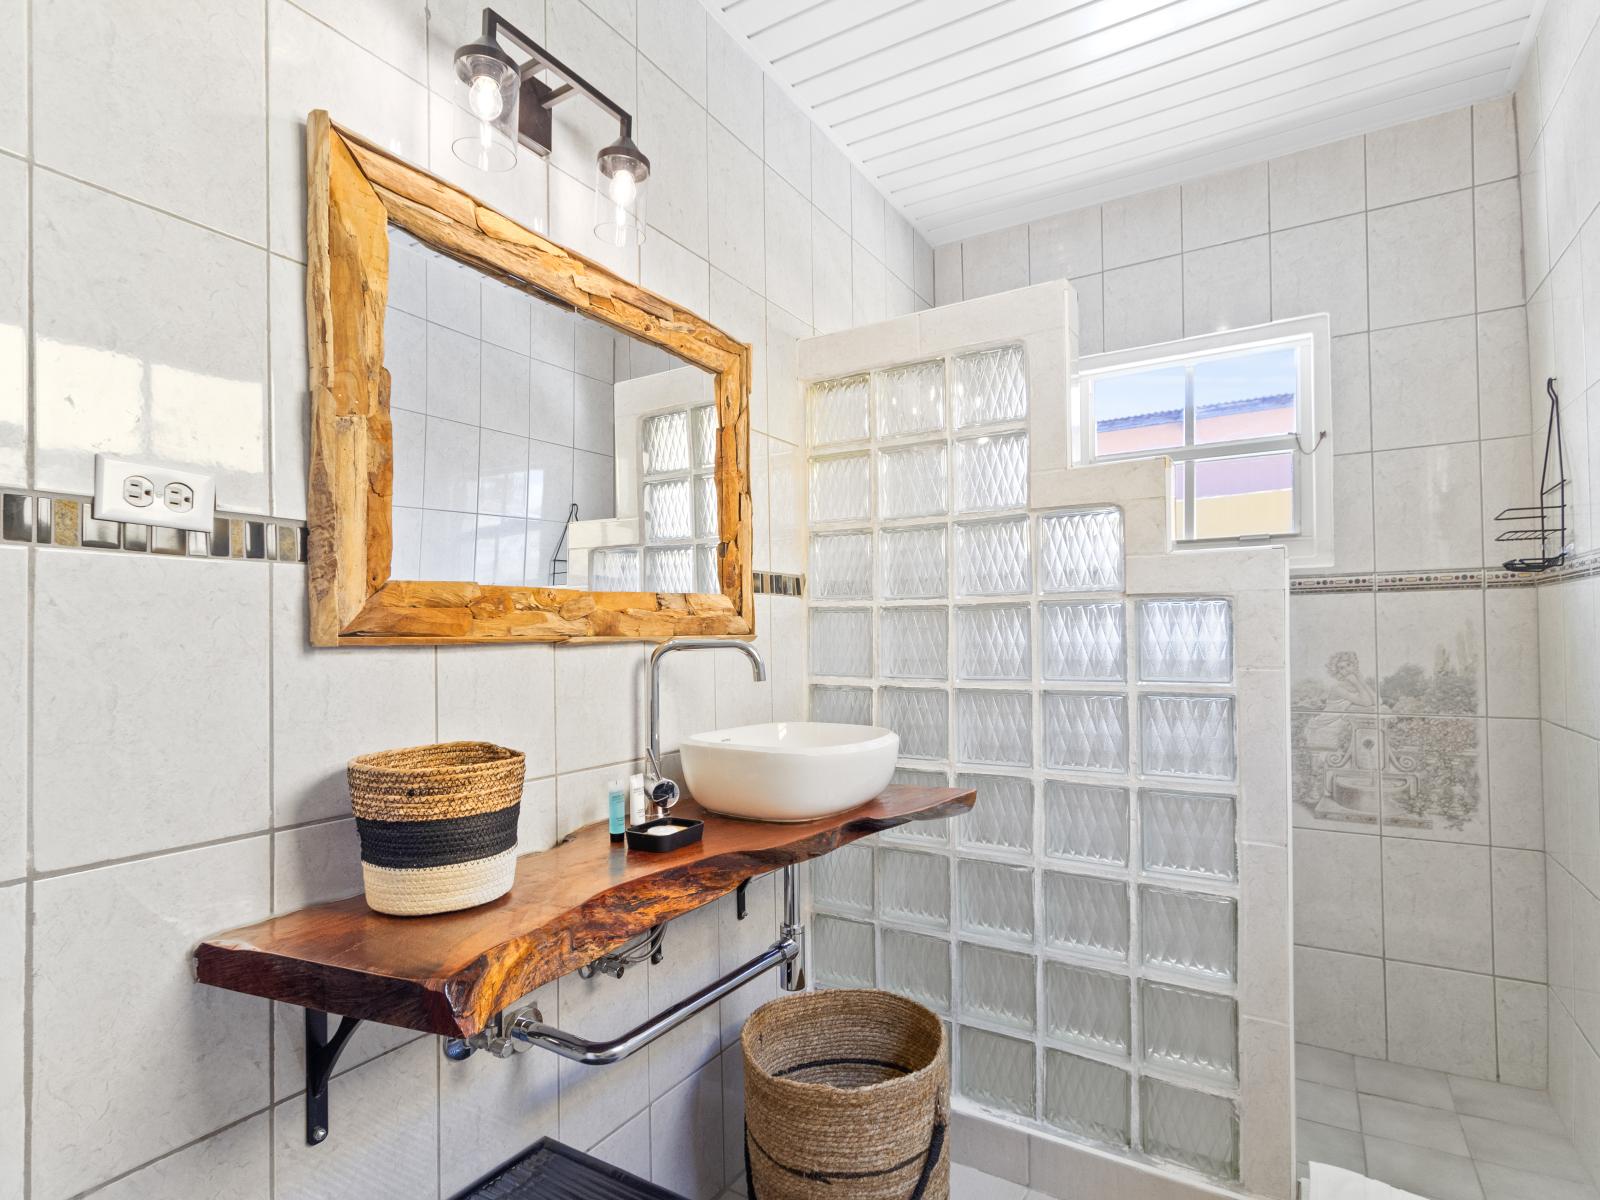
1335 1183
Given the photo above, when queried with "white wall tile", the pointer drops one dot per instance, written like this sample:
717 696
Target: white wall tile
947 282
315 67
866 214
1139 228
14 715
1353 509
1436 904
149 338
1322 268
14 277
672 35
832 275
1497 233
1522 1032
1143 303
1225 207
737 228
121 643
1428 507
1227 287
1318 184
1516 812
385 1138
1494 140
1519 914
155 69
1503 406
869 303
14 97
600 719
1419 158
994 262
788 139
735 87
831 179
1424 383
1419 256
1440 1019
788 247
1065 246
1352 394
324 710
13 1045
673 125
1338 902
492 1109
1339 1001
235 1164
686 1137
118 939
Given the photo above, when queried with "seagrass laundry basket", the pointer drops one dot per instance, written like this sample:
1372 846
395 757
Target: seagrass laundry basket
846 1097
438 825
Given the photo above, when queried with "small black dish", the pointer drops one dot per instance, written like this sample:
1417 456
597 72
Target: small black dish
639 839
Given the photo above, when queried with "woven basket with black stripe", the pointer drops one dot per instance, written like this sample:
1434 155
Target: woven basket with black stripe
846 1097
438 825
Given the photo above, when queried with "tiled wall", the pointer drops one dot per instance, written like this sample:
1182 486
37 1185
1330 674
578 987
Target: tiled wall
1419 876
503 418
1557 99
155 299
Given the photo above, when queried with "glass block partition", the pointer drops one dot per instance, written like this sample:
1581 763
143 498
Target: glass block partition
1079 928
677 507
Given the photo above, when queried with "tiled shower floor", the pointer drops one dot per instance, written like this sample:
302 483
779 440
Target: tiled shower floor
1440 1136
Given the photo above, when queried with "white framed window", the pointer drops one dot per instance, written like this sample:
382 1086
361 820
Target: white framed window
1242 414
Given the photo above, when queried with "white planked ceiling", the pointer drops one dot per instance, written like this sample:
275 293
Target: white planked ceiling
974 115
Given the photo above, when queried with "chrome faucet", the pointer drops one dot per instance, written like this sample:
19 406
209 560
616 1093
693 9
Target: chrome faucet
663 792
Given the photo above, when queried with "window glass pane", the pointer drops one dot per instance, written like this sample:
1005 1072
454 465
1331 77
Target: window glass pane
1251 493
1139 410
1180 476
1244 396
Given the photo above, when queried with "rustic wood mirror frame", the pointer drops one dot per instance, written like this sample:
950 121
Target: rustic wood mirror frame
355 190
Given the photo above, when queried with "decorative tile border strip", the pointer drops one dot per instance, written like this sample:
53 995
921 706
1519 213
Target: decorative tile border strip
1577 566
48 519
776 583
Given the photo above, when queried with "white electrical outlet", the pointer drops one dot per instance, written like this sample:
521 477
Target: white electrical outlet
149 493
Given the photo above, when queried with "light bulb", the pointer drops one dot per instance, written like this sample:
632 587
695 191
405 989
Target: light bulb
484 97
623 188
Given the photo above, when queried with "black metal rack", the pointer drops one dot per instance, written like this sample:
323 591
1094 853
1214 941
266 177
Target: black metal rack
1546 521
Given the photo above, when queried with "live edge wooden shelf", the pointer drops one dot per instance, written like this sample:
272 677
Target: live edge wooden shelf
451 974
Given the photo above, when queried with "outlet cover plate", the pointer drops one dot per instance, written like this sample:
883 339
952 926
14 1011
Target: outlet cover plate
110 505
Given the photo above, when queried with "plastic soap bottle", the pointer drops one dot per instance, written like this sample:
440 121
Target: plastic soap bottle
617 805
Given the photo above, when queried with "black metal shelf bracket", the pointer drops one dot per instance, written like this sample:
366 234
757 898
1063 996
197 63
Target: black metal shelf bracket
322 1054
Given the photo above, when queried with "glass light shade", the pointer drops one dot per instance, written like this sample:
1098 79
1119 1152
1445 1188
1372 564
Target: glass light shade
490 88
619 193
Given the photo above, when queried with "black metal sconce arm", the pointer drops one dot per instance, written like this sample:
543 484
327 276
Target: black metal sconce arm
538 98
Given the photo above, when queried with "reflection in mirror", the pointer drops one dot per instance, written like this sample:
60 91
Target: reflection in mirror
510 414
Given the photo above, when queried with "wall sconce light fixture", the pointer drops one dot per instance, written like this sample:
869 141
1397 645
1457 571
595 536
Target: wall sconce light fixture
511 104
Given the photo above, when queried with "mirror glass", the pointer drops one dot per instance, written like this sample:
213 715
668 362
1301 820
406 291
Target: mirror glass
537 447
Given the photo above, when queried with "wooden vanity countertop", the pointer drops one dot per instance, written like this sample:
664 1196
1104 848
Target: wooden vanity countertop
450 974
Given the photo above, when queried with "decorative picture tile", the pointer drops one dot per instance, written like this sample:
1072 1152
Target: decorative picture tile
1433 776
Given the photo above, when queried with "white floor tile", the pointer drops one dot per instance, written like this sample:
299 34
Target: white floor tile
1523 1148
1326 1144
1414 1085
1429 1173
1502 1102
1414 1124
1326 1105
1332 1067
968 1184
1507 1183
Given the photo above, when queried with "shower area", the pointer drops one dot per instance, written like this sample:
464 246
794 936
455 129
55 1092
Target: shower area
1107 935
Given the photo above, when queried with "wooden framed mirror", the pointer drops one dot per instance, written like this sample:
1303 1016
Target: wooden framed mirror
358 194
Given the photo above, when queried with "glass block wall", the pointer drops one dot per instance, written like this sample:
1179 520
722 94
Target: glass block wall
678 503
1079 928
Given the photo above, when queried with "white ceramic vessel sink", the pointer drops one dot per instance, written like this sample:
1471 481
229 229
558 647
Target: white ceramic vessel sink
788 770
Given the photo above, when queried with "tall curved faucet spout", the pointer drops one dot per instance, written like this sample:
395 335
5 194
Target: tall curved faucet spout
758 668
